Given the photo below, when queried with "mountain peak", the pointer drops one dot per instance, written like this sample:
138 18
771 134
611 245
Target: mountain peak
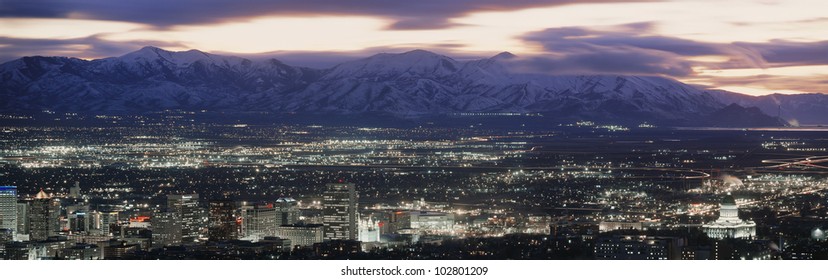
152 48
504 56
420 52
415 62
151 53
413 56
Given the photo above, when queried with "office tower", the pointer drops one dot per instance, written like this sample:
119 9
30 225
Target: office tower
259 221
8 208
23 217
43 216
78 218
288 211
222 220
101 221
79 222
166 229
340 211
186 206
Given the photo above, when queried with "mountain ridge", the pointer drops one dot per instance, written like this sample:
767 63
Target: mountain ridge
405 85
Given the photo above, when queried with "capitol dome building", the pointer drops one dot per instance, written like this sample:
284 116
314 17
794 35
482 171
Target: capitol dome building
729 225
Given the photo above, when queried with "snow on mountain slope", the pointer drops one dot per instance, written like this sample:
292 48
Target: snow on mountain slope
148 79
411 84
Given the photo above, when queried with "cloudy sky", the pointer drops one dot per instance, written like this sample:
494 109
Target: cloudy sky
749 46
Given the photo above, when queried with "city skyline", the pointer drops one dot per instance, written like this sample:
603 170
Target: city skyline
577 191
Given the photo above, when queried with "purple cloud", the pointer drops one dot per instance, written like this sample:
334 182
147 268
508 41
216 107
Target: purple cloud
629 49
615 61
574 49
785 53
421 14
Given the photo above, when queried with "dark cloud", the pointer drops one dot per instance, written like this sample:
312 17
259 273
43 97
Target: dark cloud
612 61
420 14
784 53
621 50
633 49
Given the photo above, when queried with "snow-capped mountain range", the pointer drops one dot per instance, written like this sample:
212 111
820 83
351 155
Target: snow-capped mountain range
406 85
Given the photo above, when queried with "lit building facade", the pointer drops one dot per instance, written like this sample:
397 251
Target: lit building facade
43 215
23 218
430 222
606 226
102 221
166 229
222 220
638 247
728 225
340 212
302 234
369 230
8 208
259 221
288 211
186 206
82 252
79 221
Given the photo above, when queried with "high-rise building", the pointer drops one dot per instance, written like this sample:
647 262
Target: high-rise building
78 218
79 221
44 214
101 221
288 211
166 229
259 221
23 217
186 206
340 212
222 220
8 208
